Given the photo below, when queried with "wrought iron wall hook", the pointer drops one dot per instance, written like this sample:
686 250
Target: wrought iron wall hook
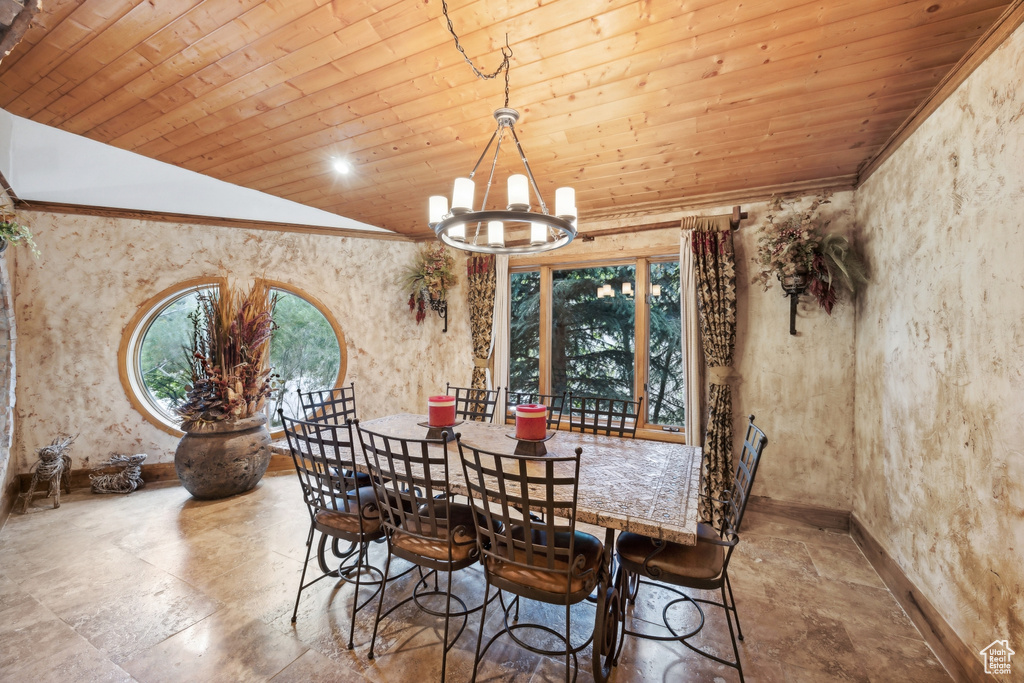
793 299
440 306
793 286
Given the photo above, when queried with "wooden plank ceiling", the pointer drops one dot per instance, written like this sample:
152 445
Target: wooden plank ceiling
637 104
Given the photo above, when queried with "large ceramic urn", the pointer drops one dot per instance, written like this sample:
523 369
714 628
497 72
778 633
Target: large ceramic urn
225 458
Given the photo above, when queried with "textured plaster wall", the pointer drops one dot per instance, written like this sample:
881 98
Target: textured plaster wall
8 341
74 302
939 475
799 387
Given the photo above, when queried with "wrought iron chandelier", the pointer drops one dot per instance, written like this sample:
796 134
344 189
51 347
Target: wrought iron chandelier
516 229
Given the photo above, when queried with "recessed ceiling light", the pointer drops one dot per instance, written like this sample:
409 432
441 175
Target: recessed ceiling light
341 166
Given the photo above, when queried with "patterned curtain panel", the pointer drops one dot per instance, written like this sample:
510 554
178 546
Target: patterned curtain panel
715 270
481 314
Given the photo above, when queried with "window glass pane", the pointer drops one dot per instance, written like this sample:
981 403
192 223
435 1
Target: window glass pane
592 339
524 347
304 352
163 356
665 394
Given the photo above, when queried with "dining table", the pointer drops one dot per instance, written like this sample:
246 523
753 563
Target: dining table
625 484
639 485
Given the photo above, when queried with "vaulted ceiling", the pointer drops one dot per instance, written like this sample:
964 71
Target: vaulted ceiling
637 104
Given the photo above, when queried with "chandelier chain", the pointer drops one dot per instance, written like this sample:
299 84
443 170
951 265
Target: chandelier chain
506 54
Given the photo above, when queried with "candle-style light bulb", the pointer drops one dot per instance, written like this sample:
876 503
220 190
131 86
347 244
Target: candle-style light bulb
627 288
538 233
565 203
655 290
495 234
457 232
462 195
438 208
518 193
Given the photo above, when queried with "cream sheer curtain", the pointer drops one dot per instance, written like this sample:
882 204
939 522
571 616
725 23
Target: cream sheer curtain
693 354
500 331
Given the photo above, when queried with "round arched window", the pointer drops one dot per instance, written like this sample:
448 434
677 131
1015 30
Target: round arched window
307 351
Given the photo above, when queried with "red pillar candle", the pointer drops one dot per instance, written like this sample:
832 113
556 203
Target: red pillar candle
441 411
531 421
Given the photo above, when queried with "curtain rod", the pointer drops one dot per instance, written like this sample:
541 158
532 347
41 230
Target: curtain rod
735 217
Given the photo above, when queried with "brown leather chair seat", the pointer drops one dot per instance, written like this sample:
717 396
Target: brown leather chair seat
463 538
701 561
348 522
536 577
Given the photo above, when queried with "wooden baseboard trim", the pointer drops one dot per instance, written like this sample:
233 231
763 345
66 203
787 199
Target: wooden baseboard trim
8 499
816 516
161 471
951 651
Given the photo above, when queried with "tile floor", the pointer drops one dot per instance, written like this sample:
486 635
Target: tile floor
155 586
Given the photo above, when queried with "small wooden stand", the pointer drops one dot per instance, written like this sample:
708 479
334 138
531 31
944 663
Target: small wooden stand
531 447
438 432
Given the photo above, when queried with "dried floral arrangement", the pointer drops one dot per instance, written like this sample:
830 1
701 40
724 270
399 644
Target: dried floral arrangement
430 277
14 232
793 244
229 355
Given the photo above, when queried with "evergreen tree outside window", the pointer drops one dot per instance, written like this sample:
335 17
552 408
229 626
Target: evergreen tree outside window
620 346
163 363
304 353
592 339
665 393
524 346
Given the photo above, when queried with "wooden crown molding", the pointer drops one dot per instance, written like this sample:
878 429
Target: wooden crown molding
672 210
138 214
996 34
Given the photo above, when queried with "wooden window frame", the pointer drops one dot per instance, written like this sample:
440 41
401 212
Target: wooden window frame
642 259
134 332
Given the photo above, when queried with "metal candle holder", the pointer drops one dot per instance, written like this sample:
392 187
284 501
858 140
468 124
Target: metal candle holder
439 432
531 447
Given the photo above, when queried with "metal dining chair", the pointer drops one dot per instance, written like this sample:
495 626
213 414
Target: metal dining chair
474 404
704 566
547 559
554 403
338 507
333 406
608 416
423 525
